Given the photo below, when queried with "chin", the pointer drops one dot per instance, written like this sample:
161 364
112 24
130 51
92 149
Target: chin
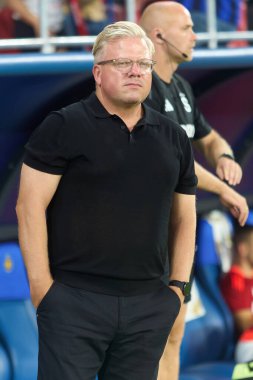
133 104
134 100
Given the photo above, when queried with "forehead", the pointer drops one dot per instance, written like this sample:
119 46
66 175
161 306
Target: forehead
127 47
179 19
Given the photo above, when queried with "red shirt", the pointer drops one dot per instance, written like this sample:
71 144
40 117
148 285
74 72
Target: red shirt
238 293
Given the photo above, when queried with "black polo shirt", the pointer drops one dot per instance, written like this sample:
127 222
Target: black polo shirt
108 220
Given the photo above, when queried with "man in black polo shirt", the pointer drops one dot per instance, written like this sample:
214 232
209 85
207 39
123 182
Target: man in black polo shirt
102 181
169 26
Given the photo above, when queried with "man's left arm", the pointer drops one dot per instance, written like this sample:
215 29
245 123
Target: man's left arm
220 156
182 238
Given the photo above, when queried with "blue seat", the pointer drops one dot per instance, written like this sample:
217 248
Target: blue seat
209 371
5 367
208 344
18 329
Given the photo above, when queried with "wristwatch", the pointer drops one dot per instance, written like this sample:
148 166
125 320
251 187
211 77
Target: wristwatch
184 286
228 155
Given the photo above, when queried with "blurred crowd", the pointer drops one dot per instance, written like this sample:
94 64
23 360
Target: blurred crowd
20 18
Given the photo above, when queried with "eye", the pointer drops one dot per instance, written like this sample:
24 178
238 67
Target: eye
145 65
123 63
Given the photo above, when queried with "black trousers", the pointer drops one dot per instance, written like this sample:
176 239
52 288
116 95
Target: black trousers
84 334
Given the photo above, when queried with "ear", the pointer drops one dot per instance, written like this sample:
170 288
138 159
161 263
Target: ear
96 70
156 32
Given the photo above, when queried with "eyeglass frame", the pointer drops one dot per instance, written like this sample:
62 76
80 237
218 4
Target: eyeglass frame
113 61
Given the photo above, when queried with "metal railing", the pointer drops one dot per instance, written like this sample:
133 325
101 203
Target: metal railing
47 44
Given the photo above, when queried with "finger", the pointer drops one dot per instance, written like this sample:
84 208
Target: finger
238 175
235 173
220 173
244 217
223 172
235 177
229 171
235 212
230 174
243 213
240 212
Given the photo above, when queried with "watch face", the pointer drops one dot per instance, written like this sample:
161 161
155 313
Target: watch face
187 289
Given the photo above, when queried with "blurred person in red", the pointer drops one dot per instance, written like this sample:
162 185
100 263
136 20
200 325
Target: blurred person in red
6 24
237 289
27 20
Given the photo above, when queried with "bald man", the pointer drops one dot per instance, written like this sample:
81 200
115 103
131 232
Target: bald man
170 27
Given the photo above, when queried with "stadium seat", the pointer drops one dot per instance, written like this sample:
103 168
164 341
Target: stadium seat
18 331
208 344
5 368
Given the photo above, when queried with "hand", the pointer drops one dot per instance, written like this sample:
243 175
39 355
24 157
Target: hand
178 292
38 291
236 204
229 171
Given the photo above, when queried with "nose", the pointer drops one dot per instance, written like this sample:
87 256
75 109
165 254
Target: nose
194 35
135 69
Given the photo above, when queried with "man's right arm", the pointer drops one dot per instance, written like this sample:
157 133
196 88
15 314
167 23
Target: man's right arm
36 191
233 201
24 13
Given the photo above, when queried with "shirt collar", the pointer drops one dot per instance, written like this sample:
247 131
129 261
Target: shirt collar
150 116
96 107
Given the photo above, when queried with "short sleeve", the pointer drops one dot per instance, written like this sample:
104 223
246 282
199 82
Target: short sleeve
202 127
188 181
47 149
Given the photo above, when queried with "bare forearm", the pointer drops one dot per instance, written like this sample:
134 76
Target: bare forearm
33 243
24 13
182 242
219 154
213 146
233 201
183 247
35 193
208 181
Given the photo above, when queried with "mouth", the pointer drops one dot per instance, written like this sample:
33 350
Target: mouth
133 84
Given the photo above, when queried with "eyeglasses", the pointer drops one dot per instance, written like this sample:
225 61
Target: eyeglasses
124 65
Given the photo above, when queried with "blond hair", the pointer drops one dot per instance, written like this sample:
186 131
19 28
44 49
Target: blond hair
120 29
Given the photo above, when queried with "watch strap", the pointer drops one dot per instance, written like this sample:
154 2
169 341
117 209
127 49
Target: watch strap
230 156
183 285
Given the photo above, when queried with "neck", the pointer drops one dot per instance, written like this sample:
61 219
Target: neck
130 116
165 67
129 113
